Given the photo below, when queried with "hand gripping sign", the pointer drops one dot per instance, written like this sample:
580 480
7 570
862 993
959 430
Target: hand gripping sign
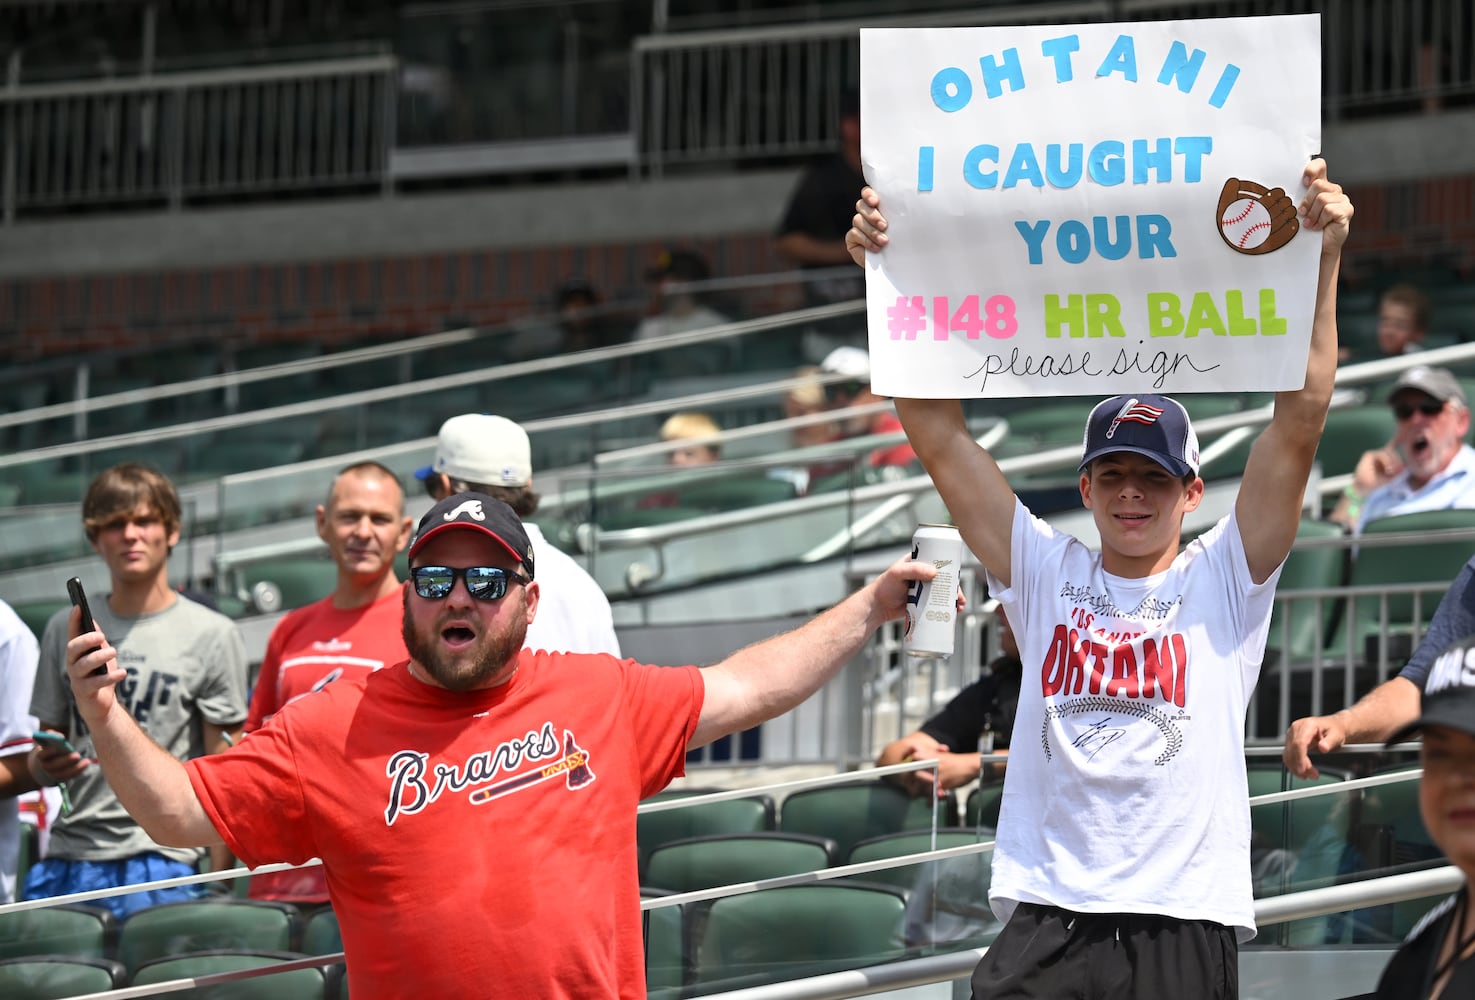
1091 209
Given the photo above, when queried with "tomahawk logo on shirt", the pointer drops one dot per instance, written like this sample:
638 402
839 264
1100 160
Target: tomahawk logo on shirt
414 784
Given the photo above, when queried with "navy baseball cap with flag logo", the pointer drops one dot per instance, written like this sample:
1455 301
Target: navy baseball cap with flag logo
1145 424
476 512
1449 692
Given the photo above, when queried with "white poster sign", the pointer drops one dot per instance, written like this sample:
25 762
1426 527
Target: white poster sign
1091 209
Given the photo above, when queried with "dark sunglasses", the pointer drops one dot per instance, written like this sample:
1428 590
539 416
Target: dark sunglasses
485 583
1429 408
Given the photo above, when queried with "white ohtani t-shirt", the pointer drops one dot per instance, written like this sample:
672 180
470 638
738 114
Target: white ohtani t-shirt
1126 788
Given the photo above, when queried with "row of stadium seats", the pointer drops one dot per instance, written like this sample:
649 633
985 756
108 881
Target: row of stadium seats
66 950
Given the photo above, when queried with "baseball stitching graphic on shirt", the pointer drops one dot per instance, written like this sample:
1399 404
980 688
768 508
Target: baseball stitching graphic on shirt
1102 606
1100 732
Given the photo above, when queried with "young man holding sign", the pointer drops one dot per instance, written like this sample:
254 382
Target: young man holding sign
1122 859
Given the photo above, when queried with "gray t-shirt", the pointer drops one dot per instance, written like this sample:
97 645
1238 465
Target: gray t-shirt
186 665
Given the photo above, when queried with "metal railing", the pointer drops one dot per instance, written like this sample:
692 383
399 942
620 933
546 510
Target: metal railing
736 94
696 97
168 139
1300 900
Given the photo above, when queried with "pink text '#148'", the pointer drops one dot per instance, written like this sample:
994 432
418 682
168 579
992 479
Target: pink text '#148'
1089 316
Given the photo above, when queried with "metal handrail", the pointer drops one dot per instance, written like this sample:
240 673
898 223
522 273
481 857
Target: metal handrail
873 979
516 369
190 79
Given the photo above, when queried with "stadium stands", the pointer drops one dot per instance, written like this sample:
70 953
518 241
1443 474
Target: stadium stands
251 408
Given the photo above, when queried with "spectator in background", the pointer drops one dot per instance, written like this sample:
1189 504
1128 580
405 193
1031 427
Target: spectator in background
1427 465
1403 319
675 307
807 398
695 430
1393 703
585 321
352 632
980 716
18 656
856 364
812 231
480 453
1436 959
186 686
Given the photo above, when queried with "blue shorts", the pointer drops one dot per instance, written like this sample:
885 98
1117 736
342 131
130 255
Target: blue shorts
58 877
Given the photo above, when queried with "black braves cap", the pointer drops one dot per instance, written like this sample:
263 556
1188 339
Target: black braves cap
1449 692
476 512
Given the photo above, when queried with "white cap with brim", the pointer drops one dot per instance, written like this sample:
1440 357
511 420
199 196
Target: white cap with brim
483 449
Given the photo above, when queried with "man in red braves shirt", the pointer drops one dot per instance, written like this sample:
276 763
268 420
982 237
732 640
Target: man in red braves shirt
474 806
353 631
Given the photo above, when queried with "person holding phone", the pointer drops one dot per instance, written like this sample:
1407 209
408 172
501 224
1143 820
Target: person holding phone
17 672
186 686
474 805
1427 465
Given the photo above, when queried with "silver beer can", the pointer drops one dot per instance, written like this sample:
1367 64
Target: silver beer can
931 613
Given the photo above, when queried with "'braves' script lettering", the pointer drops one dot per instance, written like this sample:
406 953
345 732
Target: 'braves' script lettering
414 785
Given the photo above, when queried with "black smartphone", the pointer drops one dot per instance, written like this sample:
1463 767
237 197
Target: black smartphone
79 599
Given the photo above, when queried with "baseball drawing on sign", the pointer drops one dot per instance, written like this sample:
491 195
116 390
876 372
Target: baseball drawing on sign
1254 219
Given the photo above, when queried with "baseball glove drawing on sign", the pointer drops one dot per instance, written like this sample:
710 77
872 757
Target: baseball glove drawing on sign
1254 219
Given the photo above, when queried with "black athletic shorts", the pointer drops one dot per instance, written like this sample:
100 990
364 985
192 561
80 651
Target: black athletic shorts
1046 953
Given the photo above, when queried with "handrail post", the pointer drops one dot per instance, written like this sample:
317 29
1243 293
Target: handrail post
12 137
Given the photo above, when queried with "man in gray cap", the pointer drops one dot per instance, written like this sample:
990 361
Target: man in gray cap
481 453
1427 465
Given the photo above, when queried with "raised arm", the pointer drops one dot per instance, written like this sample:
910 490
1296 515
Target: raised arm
770 677
151 784
977 495
1269 504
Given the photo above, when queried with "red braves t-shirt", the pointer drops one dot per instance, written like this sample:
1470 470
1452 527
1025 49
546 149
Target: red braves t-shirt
309 649
475 844
314 646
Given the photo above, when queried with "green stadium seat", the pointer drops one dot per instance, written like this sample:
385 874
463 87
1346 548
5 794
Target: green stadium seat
284 583
1436 562
37 613
75 930
982 807
664 931
735 493
947 900
296 984
1298 627
52 977
1350 432
727 859
172 929
798 931
320 935
899 845
751 814
855 811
